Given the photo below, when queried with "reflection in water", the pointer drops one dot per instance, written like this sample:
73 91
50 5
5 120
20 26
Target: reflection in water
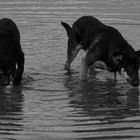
11 100
102 105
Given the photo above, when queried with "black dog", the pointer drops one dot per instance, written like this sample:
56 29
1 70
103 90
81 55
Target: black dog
11 55
101 43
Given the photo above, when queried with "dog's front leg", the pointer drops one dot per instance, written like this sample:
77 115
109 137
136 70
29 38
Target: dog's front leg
91 56
20 69
84 69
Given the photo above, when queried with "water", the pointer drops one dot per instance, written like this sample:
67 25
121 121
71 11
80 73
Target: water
53 104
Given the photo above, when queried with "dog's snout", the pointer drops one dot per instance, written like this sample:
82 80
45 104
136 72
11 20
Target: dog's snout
135 83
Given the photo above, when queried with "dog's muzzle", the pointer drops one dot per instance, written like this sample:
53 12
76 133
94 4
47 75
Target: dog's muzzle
134 81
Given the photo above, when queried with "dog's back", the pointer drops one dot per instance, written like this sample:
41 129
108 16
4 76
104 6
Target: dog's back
8 24
85 26
9 36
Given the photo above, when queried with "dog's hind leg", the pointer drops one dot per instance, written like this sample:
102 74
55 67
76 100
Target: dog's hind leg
20 67
73 49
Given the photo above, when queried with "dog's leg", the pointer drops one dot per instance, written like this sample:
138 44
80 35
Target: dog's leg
84 69
20 64
75 52
71 54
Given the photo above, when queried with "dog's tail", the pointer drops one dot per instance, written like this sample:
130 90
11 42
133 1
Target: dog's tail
67 27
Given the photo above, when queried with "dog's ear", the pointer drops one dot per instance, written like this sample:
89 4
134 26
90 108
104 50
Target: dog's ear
118 57
138 53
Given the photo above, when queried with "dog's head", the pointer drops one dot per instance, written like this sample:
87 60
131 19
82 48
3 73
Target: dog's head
7 70
130 63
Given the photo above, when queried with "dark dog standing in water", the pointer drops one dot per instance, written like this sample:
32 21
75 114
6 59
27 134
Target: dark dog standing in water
101 43
11 55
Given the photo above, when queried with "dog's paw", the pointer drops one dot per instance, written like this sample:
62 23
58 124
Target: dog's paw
66 67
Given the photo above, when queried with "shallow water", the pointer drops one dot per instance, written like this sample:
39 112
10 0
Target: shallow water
52 103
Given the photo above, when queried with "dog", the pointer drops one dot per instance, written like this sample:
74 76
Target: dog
101 43
11 54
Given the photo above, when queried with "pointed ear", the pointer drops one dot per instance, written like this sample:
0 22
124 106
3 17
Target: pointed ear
138 53
118 54
118 57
